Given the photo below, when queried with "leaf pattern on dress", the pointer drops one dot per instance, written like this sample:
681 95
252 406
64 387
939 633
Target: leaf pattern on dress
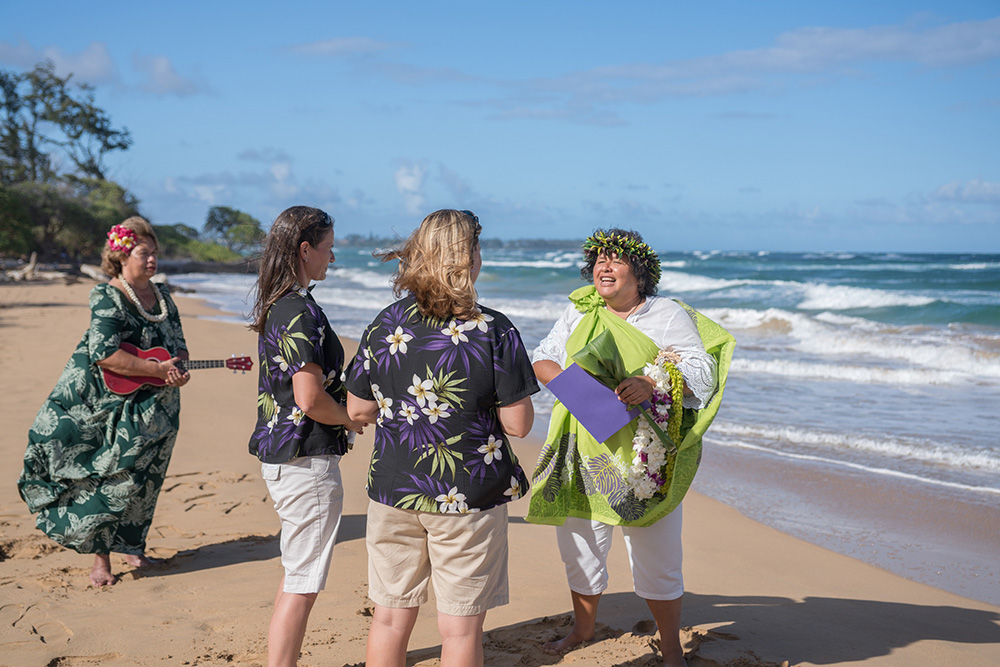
627 505
443 458
554 481
422 494
604 473
76 476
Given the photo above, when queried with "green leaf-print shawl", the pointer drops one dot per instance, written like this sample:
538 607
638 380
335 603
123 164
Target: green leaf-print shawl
578 476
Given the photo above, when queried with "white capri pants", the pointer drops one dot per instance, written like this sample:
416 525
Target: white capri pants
309 498
654 554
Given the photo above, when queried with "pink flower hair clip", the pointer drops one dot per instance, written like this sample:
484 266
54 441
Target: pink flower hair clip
121 238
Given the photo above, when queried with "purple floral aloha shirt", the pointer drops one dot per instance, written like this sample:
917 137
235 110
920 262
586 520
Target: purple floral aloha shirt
439 446
296 333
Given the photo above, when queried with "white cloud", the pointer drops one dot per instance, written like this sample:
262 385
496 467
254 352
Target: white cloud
410 183
162 78
342 46
91 65
797 57
281 171
456 185
975 191
268 154
209 194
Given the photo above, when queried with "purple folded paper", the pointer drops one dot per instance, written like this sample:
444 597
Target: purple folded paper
595 406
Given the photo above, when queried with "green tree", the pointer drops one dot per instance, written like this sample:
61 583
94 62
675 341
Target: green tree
107 201
53 141
62 223
180 241
239 231
16 237
44 119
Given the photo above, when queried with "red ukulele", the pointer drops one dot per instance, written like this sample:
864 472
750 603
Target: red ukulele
126 384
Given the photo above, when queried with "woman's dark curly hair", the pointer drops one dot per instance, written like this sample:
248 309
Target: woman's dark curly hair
628 245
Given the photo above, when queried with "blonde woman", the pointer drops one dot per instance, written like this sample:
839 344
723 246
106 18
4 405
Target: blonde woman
447 381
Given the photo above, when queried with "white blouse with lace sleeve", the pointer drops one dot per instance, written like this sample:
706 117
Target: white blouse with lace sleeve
668 325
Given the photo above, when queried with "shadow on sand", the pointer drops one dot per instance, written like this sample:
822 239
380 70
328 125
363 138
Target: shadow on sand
758 631
241 550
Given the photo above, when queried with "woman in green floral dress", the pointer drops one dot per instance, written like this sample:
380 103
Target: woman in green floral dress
96 460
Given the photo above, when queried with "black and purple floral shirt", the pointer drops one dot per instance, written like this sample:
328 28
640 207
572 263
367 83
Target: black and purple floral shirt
439 445
296 333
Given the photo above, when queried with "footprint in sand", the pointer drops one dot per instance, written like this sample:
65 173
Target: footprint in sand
78 660
29 546
33 622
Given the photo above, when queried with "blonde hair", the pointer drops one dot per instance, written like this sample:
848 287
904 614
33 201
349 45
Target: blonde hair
435 264
111 260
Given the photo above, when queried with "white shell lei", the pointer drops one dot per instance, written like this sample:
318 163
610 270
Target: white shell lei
138 304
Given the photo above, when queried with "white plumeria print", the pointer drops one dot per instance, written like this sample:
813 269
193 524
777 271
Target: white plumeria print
330 377
398 340
479 321
450 501
515 489
296 415
280 360
435 411
409 413
385 407
368 358
274 418
491 449
456 332
421 390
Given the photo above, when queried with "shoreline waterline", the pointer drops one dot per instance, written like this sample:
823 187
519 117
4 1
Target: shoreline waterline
793 493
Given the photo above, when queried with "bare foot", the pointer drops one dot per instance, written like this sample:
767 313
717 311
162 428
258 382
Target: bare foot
142 560
675 658
567 643
100 574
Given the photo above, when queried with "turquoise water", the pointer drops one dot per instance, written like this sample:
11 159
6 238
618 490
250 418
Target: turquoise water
884 368
885 361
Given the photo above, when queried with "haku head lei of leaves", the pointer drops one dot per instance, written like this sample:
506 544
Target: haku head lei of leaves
635 250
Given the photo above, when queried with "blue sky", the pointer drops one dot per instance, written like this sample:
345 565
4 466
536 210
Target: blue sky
871 126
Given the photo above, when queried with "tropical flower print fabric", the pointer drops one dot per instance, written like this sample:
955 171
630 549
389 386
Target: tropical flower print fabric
439 446
95 460
296 333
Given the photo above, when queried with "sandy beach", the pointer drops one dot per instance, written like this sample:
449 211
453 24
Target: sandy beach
755 596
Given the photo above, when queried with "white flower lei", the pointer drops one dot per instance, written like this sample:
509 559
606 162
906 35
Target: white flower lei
646 476
138 304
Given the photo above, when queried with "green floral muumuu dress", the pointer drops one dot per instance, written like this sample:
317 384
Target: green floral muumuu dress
96 460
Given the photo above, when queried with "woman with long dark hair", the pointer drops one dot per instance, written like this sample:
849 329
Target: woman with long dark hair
302 423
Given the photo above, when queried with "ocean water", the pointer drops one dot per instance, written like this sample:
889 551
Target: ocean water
884 366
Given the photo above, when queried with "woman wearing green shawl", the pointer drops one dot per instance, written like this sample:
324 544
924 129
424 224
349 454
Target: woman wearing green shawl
637 477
